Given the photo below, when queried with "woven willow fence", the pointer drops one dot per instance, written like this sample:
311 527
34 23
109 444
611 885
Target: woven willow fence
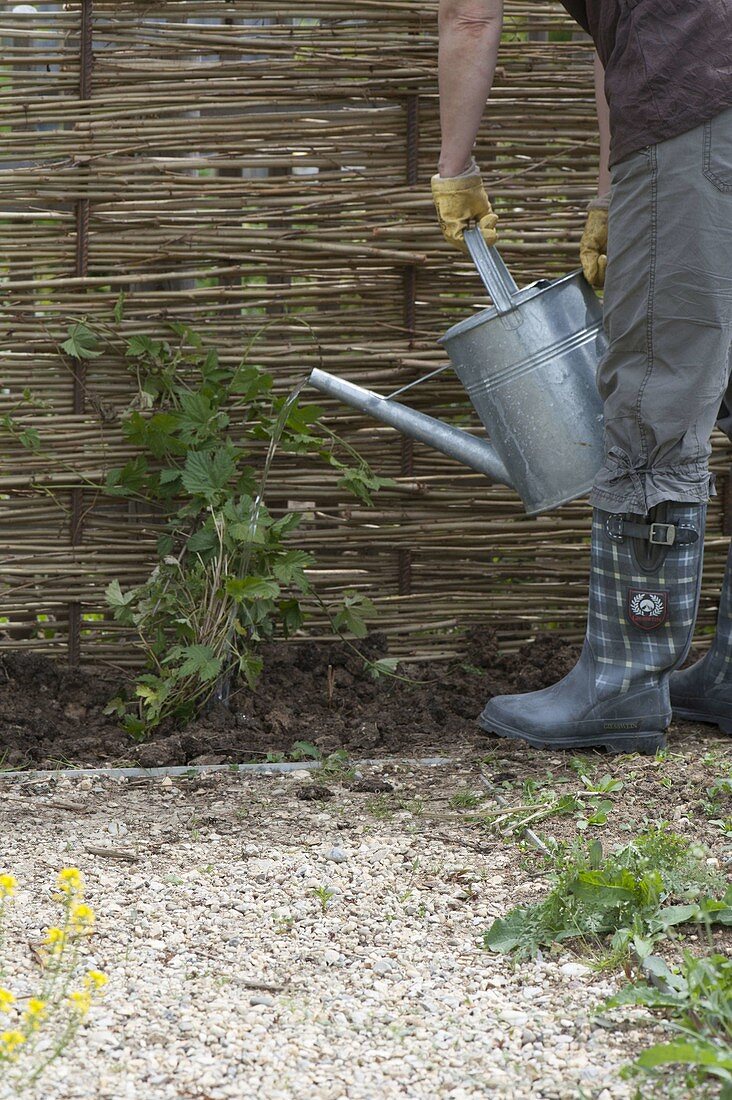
231 163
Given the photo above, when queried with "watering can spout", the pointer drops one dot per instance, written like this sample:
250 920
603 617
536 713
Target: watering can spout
476 453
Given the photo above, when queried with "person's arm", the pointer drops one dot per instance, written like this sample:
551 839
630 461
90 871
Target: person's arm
603 122
469 36
593 245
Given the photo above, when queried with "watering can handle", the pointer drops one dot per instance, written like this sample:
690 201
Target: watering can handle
496 277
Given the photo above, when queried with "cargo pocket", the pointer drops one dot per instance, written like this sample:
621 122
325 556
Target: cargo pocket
718 150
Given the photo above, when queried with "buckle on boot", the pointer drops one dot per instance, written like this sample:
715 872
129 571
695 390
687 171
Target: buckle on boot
662 534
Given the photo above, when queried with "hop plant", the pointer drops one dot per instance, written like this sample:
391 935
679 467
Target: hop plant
39 1028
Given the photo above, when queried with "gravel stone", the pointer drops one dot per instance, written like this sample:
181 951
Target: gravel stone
575 970
227 979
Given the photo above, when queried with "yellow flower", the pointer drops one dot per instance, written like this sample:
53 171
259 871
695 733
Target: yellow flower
6 1000
9 1040
56 939
34 1013
95 979
80 1001
8 885
70 882
82 916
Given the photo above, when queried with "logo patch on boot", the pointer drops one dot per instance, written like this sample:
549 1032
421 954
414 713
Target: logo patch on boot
647 610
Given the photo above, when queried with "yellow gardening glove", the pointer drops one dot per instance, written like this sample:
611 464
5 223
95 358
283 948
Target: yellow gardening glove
593 245
460 199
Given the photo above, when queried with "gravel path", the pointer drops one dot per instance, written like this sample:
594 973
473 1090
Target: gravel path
387 993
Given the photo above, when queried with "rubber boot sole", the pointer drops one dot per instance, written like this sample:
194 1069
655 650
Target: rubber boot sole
723 722
637 741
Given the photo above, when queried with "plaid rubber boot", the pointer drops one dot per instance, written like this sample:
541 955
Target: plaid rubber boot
644 593
703 693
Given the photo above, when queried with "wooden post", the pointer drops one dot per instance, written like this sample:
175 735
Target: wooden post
81 268
410 323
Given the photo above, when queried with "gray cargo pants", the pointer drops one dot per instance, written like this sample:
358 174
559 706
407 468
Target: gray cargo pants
668 319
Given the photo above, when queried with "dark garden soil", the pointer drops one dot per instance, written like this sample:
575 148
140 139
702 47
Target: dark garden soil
322 694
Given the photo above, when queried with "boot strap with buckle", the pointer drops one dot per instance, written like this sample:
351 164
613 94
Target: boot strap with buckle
658 534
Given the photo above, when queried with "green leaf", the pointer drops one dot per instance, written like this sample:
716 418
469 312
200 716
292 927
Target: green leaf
285 524
507 933
82 343
594 853
199 660
362 483
138 728
251 588
304 750
250 382
169 476
119 306
350 618
115 597
690 1054
116 706
153 691
205 473
350 622
291 616
659 970
250 668
187 335
385 666
198 420
132 479
156 434
644 995
202 540
30 439
140 346
289 568
672 915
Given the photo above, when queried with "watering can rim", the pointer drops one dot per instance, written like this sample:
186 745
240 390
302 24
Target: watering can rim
526 294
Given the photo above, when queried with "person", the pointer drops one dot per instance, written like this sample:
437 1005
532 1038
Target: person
658 237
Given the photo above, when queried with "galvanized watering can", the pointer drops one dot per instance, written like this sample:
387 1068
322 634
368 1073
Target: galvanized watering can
528 364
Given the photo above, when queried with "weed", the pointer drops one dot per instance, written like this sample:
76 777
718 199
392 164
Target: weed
275 757
335 766
697 1000
598 815
33 1036
467 800
605 785
381 806
414 806
304 750
716 759
324 896
622 894
718 797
